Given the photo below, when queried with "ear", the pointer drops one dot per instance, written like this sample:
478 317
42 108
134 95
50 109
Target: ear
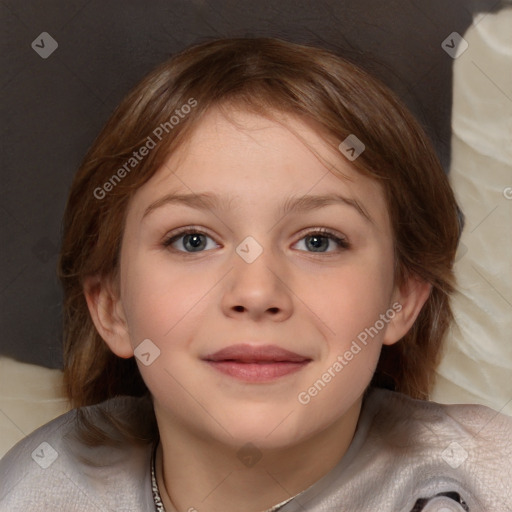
407 301
107 313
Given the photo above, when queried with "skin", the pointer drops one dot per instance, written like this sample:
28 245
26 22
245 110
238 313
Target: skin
190 304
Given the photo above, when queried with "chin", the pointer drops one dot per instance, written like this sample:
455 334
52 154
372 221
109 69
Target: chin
259 440
267 429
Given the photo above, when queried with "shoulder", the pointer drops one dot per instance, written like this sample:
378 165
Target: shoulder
438 447
409 418
55 469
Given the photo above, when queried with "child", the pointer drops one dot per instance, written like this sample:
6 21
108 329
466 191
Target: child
257 262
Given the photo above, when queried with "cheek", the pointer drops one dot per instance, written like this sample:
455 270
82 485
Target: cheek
160 300
164 307
352 299
352 307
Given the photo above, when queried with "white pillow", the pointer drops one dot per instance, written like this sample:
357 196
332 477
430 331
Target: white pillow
477 366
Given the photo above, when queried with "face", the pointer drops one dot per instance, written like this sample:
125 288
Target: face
263 262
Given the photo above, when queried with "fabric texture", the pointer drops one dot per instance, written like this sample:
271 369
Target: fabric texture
30 397
477 363
406 456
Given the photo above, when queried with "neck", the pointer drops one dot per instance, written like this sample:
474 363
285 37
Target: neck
196 475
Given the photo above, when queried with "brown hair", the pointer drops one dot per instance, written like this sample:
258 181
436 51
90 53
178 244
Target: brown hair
262 75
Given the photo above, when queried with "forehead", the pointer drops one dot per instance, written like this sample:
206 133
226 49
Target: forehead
240 141
253 159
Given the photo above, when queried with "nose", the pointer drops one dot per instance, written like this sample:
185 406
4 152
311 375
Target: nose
258 288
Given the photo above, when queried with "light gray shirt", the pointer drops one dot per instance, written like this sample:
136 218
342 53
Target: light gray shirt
406 456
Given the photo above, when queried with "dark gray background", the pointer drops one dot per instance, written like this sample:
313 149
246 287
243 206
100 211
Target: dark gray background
51 109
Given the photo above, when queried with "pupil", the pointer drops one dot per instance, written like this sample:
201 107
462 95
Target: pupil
316 243
194 240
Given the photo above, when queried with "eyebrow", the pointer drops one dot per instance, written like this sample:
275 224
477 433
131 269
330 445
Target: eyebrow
209 201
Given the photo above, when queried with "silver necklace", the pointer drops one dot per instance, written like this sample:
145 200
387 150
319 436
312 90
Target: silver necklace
157 500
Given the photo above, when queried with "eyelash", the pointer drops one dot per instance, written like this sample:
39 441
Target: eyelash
343 243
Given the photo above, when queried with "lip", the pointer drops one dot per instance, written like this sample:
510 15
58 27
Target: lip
246 353
256 363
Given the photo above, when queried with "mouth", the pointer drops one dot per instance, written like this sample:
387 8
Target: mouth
256 363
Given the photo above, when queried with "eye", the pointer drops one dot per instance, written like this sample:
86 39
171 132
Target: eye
320 239
192 239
